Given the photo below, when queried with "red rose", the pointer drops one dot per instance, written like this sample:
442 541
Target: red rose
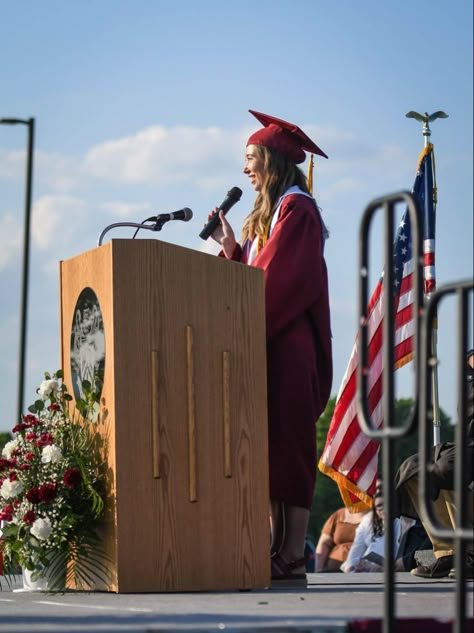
45 440
25 467
31 436
54 407
33 495
30 419
19 427
7 513
13 476
72 477
30 456
30 517
47 492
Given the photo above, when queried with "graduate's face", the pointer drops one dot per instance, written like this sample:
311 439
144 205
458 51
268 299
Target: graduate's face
254 167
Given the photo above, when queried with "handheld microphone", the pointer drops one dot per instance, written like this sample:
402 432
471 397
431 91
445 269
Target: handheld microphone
183 214
231 198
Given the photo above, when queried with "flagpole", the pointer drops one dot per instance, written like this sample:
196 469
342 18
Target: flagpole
426 118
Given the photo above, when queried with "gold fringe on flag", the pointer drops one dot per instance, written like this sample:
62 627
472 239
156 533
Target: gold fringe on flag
310 173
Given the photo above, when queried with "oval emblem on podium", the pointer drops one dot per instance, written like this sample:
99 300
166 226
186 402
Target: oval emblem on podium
87 342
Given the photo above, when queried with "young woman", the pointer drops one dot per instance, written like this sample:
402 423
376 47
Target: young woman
367 550
336 538
284 235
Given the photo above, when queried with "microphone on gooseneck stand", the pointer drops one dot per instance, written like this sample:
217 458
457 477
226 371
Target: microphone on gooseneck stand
183 214
231 198
158 221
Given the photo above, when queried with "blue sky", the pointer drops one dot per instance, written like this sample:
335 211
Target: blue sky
141 107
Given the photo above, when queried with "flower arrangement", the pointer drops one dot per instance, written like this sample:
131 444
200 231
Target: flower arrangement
52 488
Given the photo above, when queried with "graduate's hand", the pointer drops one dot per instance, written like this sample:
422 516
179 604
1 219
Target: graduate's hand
224 234
218 232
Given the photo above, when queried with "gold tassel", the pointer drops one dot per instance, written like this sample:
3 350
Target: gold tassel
310 174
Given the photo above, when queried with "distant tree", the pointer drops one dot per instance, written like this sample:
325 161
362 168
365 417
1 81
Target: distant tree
5 437
327 498
408 445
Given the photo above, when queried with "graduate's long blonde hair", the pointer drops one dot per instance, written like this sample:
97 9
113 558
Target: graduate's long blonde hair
279 174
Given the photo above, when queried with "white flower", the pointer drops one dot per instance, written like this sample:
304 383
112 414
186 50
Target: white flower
47 387
41 529
9 448
51 453
11 489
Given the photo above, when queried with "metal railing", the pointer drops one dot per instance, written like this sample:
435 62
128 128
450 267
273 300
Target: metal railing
387 434
463 532
424 366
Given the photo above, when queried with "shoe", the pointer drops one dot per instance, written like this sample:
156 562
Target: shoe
439 569
469 569
284 576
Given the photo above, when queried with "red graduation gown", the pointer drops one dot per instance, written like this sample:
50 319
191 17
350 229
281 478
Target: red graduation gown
299 350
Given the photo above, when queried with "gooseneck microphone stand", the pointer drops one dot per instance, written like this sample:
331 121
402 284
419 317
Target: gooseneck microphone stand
156 226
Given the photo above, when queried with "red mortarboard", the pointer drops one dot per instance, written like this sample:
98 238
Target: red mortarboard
284 137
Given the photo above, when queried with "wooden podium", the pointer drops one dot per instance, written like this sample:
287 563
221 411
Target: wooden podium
183 353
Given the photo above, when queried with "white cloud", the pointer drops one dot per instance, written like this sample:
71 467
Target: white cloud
11 239
12 165
164 156
57 171
126 209
56 218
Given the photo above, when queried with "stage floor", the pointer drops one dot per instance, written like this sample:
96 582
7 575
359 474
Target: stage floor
326 606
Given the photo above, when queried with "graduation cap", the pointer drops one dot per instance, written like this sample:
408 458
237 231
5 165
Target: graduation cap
283 137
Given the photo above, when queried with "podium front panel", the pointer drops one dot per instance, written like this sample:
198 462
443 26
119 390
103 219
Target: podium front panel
186 421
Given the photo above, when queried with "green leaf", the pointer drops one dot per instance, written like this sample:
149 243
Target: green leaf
39 405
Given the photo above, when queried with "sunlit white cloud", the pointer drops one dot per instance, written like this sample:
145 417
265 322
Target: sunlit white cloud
126 209
56 218
162 156
57 171
12 164
11 238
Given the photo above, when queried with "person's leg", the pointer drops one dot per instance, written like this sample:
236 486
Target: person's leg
442 547
448 496
443 511
277 517
296 522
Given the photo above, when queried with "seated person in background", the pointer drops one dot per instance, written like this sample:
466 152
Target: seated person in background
368 541
367 551
442 492
336 539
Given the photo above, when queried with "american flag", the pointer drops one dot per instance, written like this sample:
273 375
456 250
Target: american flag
349 457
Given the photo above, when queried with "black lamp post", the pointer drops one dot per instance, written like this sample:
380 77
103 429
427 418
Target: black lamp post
30 123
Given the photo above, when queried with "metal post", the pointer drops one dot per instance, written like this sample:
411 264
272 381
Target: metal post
30 123
426 118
